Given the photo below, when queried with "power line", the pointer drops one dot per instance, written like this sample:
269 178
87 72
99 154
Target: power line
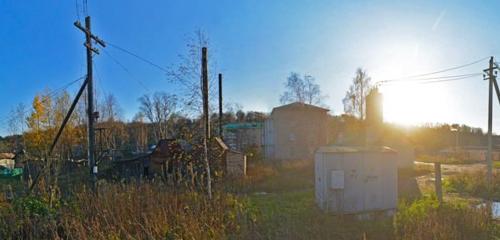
428 81
138 57
429 78
86 7
436 72
77 10
54 93
49 95
126 70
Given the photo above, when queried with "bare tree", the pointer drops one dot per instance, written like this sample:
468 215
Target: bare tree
187 73
17 119
301 89
110 109
355 98
139 133
158 108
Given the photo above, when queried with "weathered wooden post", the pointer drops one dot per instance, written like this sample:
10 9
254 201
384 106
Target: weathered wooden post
220 105
206 118
437 176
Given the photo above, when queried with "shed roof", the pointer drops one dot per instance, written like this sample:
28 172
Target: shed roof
7 155
355 149
243 125
300 105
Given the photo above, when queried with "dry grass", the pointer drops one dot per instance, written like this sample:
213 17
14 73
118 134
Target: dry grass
275 201
473 184
426 219
274 177
144 211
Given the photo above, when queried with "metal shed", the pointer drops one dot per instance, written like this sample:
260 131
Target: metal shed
352 180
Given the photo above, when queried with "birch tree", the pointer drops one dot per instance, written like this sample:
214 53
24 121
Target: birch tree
355 98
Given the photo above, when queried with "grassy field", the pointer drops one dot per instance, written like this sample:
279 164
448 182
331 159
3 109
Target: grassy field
282 199
275 201
294 215
473 184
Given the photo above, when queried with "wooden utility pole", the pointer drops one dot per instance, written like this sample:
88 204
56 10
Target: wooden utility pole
90 94
220 105
206 118
437 182
491 79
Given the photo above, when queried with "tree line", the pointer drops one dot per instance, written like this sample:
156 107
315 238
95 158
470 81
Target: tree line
164 115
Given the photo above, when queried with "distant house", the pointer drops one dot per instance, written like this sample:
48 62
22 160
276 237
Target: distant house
294 131
241 136
7 160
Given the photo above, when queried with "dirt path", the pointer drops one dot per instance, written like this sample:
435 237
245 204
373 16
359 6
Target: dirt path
450 169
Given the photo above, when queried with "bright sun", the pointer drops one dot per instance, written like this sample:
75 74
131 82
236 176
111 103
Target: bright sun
413 104
410 103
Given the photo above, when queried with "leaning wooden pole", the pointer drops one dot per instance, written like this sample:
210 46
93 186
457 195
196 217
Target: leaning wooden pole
59 132
206 118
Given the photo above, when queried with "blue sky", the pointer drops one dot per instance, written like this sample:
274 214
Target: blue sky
256 44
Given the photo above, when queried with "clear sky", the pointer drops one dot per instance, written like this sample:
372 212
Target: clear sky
256 45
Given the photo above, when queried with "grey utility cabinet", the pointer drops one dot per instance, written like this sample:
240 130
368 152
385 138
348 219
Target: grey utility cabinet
354 180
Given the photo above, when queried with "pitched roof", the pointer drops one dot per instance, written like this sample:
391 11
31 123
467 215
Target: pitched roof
7 155
300 105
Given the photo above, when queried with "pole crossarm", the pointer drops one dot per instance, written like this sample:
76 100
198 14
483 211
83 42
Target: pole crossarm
96 39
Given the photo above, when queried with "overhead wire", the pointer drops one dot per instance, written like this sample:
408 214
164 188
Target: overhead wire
77 10
436 80
86 7
138 57
54 93
411 77
50 95
429 78
124 68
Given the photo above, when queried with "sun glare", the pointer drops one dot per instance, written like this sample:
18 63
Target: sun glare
413 104
405 102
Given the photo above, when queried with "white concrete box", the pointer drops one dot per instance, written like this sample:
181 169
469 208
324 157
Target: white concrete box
352 180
